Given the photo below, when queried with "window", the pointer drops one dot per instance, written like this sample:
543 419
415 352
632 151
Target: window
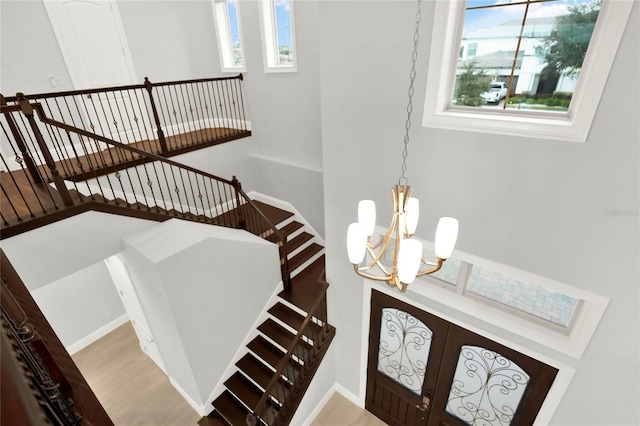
518 44
560 316
278 36
227 20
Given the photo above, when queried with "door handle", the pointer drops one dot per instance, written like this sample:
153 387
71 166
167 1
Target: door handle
426 401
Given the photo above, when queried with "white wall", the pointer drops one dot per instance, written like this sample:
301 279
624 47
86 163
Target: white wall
284 109
535 204
81 307
171 40
202 288
30 53
60 249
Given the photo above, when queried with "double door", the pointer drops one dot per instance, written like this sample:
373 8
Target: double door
423 370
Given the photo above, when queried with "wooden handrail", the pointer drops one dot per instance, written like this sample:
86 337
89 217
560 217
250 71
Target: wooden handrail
118 88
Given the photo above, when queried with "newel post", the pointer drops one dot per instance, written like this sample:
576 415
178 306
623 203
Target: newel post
22 146
59 183
163 143
242 222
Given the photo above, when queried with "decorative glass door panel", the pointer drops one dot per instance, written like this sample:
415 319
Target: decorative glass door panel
403 351
487 387
423 370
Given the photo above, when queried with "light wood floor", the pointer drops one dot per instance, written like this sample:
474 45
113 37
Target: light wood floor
134 391
131 387
339 411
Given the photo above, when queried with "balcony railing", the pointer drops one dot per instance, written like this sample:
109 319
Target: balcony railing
167 118
76 170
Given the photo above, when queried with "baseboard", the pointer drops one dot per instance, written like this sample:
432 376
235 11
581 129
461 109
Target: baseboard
335 388
349 395
320 405
97 334
199 408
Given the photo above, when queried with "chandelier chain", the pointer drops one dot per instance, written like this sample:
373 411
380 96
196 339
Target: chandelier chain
412 77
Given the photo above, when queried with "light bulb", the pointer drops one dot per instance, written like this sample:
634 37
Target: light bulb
409 257
367 216
411 214
446 236
356 243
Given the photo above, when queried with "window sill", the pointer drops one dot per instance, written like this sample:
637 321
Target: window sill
281 69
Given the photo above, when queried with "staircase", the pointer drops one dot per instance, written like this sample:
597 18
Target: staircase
279 363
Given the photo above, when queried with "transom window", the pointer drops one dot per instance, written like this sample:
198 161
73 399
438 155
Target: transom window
555 314
523 67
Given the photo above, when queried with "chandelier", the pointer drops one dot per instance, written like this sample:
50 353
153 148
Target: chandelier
407 256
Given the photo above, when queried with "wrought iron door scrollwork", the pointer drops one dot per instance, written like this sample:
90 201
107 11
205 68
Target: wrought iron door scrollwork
487 387
404 348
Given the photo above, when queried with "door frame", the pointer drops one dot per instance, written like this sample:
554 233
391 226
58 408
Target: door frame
554 396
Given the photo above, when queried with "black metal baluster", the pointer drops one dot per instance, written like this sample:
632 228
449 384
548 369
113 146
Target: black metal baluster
214 109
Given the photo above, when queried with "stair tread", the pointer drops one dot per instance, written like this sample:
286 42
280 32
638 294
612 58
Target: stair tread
287 230
289 316
298 241
305 288
244 390
268 352
231 409
255 369
306 254
277 333
291 227
213 419
274 214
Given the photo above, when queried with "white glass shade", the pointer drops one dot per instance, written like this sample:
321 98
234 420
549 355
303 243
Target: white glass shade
411 214
409 258
356 243
367 216
446 236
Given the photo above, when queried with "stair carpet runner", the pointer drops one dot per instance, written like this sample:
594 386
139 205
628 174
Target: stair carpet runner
245 387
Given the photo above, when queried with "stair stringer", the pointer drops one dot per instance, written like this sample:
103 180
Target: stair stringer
93 186
242 350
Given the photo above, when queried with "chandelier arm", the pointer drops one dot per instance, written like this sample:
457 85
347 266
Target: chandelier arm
424 262
384 241
369 276
376 261
431 271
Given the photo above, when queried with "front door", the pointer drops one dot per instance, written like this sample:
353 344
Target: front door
405 352
423 370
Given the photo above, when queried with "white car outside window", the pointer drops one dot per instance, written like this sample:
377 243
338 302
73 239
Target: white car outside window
496 92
